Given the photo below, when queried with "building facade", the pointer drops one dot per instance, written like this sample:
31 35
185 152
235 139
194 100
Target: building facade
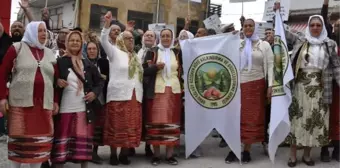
300 12
143 12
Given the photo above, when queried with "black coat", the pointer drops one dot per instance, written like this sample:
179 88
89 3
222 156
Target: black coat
92 82
5 43
104 66
150 72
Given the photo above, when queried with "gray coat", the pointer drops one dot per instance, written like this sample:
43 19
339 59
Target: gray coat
332 60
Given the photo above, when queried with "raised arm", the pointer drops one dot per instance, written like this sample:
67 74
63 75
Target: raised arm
104 38
324 14
25 7
335 61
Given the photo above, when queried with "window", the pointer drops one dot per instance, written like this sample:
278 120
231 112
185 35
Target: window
194 25
97 15
56 15
142 19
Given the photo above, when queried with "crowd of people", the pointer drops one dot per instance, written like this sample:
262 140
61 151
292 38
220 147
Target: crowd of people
64 98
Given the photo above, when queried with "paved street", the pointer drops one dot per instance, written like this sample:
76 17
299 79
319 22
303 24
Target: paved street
213 158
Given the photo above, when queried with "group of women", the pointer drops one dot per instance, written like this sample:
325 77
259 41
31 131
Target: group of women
63 109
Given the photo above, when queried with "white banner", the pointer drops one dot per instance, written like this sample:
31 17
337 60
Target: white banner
269 13
213 22
212 90
279 126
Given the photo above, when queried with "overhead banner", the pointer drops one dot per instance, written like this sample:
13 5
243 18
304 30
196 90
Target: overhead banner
212 90
269 13
240 1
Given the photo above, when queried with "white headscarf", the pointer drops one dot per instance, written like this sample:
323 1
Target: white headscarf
190 35
323 36
144 49
166 52
31 35
246 55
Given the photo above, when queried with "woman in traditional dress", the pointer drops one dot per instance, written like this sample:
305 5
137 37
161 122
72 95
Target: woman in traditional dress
102 65
162 73
335 108
32 100
123 118
81 83
314 61
148 41
256 70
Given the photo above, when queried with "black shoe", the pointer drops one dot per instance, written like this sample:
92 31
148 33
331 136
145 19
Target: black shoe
325 155
230 158
171 161
308 163
291 163
335 154
45 165
96 159
124 160
223 143
155 161
114 160
132 151
246 157
148 151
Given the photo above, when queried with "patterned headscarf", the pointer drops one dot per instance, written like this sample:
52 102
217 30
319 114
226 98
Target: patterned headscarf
77 61
135 66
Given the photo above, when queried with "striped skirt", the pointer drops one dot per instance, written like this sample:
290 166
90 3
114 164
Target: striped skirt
30 134
123 123
164 118
73 139
253 111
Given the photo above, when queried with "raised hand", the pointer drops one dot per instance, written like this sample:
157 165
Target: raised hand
23 4
108 19
45 14
188 20
130 26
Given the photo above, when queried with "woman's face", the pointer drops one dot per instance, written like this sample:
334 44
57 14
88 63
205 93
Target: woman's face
128 41
248 28
315 27
166 38
75 43
92 51
184 36
149 38
42 33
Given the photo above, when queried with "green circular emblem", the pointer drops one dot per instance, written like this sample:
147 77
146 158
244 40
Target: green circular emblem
212 80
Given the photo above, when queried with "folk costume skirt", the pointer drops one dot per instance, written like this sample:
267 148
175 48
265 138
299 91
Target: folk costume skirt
73 138
30 134
164 118
309 116
334 114
253 111
123 123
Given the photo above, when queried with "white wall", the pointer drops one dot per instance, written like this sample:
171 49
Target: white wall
67 17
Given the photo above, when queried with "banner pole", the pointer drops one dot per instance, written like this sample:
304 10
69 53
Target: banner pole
46 2
188 7
242 7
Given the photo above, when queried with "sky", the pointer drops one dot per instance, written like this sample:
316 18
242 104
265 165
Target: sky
14 10
231 12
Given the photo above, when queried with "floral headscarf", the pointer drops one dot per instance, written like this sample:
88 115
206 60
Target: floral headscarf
76 58
134 65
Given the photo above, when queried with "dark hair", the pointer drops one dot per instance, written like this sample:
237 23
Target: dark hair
250 20
78 29
268 29
211 32
116 22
